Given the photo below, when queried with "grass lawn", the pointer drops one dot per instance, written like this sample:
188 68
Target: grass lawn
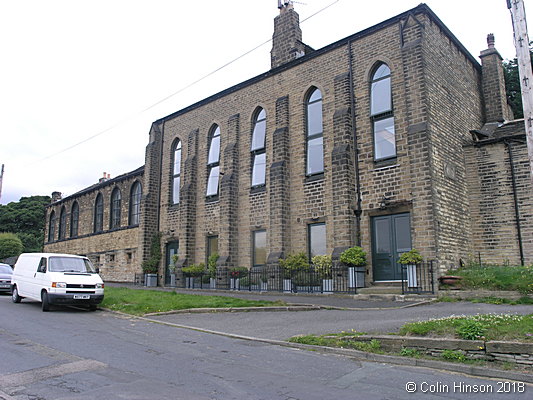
140 301
494 277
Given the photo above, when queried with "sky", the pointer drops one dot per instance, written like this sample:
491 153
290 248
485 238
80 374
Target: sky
81 82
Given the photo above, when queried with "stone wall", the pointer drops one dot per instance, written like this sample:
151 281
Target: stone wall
114 251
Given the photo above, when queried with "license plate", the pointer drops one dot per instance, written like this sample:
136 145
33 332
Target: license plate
82 296
5 286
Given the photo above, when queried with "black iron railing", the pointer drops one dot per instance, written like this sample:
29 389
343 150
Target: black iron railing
418 278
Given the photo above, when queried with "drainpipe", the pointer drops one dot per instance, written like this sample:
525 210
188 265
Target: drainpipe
358 210
516 209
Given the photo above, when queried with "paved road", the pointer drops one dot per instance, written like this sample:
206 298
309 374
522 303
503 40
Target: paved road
283 325
75 354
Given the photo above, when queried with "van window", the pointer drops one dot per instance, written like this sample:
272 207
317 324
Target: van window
70 264
42 266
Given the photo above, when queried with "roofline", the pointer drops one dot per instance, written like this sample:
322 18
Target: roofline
98 186
421 8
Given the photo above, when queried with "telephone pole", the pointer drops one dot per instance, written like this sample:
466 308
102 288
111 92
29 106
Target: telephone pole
521 42
1 179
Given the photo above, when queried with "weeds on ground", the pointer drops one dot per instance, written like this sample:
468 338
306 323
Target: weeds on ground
496 277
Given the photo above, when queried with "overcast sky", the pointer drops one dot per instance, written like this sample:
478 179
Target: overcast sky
82 81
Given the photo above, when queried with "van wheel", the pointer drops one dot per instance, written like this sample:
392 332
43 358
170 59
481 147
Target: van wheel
45 303
15 295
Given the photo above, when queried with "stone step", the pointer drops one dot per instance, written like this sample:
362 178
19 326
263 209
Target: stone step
380 290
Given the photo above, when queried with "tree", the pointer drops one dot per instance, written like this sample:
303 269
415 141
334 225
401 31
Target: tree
512 86
26 219
10 245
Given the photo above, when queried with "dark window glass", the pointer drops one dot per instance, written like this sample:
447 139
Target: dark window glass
213 162
176 174
116 204
260 248
62 223
212 246
135 204
74 219
317 240
315 145
381 112
52 226
99 214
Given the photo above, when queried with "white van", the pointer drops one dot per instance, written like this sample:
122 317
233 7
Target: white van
56 279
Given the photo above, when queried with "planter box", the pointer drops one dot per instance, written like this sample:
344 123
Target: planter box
264 286
150 280
234 284
412 281
287 285
212 283
327 285
172 280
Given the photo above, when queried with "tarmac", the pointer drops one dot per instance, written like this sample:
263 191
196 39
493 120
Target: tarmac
325 314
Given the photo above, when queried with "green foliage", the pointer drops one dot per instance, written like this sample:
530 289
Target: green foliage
410 257
471 330
151 265
294 263
10 245
140 301
512 86
323 265
212 265
372 346
354 257
26 218
194 270
304 278
172 266
453 355
494 277
246 281
407 352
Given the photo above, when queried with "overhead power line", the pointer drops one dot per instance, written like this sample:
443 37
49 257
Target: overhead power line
129 118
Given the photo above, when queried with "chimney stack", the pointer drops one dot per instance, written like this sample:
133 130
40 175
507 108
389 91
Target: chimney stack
493 82
56 196
287 42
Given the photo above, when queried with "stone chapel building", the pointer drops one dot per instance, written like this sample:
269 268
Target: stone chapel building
393 138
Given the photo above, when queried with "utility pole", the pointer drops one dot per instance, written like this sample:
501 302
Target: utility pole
521 42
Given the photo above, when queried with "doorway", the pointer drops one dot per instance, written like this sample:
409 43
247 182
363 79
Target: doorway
391 236
172 249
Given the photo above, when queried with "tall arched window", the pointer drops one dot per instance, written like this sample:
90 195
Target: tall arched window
116 205
213 162
74 219
381 113
99 213
52 227
258 149
62 223
176 173
135 204
315 139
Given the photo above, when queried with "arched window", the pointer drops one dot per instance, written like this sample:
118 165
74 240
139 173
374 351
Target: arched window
52 227
116 204
315 139
381 113
258 149
62 223
176 173
99 213
213 162
135 204
74 219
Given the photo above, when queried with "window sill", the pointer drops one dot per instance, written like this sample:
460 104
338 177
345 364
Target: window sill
385 163
258 189
212 199
314 178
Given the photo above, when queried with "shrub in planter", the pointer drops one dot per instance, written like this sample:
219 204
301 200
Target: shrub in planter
412 257
322 266
194 270
212 265
238 272
294 263
354 257
151 265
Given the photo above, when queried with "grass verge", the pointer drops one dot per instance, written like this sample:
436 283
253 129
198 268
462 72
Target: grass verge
140 302
495 277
